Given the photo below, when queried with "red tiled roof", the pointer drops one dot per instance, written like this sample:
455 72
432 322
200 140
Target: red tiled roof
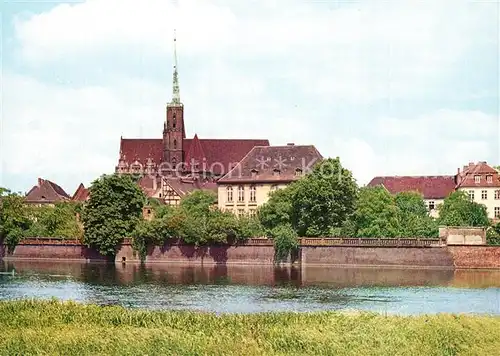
262 162
140 149
466 178
218 154
149 185
81 194
223 154
431 187
195 153
46 192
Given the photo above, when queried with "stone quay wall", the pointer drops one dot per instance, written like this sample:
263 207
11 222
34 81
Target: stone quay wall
319 252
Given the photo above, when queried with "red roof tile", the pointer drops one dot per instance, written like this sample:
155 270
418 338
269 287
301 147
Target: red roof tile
223 154
81 194
46 192
218 155
195 154
273 164
431 187
141 149
466 178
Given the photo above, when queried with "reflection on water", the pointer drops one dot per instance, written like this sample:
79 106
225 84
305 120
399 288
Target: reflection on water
229 288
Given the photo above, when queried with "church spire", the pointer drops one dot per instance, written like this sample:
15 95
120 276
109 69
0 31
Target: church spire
176 99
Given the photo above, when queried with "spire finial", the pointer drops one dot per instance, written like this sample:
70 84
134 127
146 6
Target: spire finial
176 99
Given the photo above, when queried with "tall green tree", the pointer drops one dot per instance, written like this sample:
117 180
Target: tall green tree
14 218
56 221
376 213
323 199
316 204
459 210
279 208
413 217
112 212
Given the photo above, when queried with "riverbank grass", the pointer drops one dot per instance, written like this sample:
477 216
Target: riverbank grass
57 328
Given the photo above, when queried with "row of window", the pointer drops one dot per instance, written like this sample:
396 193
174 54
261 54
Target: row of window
241 194
241 212
484 194
477 179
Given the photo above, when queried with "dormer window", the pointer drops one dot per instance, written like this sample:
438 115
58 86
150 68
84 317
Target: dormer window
298 172
254 172
489 179
477 179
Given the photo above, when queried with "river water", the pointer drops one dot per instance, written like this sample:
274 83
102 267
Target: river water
249 289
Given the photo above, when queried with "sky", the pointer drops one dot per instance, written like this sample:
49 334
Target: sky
390 87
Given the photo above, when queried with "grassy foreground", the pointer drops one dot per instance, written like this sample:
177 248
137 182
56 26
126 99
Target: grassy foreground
55 328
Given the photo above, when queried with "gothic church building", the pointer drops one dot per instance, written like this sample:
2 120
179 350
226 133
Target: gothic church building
174 165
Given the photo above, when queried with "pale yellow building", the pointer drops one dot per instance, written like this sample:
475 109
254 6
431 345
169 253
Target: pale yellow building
482 183
263 170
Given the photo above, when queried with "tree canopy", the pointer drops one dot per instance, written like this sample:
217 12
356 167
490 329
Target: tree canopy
459 210
112 212
315 204
376 213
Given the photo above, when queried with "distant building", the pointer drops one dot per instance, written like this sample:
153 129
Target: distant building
482 183
46 192
170 190
188 163
263 170
434 189
81 194
479 180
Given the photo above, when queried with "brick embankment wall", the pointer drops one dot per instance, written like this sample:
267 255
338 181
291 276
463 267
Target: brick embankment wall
216 254
33 249
377 256
258 252
475 256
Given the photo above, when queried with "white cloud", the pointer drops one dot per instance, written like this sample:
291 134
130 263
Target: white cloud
266 69
359 53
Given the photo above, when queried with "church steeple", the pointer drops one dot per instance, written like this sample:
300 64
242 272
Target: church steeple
174 132
176 99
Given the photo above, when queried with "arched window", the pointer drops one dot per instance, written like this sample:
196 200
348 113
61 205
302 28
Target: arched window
174 122
241 193
253 194
229 191
175 144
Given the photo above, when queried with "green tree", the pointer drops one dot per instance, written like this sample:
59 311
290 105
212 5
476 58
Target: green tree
413 217
14 218
376 213
56 221
112 212
316 204
459 210
278 209
323 199
285 242
199 202
493 235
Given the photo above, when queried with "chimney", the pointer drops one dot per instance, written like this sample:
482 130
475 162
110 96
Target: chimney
458 170
290 144
465 168
471 164
40 182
